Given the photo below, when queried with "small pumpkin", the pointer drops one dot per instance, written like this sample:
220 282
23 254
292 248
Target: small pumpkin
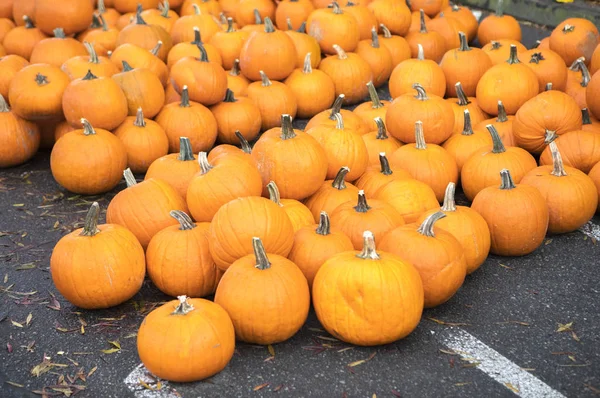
467 226
237 82
21 9
305 44
124 6
162 16
88 161
211 7
466 17
378 141
578 78
244 13
243 152
176 169
378 57
397 45
350 74
183 28
138 57
77 67
449 28
56 50
185 361
142 89
331 194
72 18
333 26
548 66
20 138
420 70
594 174
104 39
62 128
433 43
376 176
22 39
409 197
499 50
98 266
592 96
462 103
296 11
462 146
513 204
146 36
431 8
299 214
364 17
393 14
574 38
579 149
503 124
9 66
349 275
192 49
273 99
236 114
498 26
327 117
229 43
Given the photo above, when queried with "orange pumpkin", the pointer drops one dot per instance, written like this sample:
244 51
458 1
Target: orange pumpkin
244 13
56 50
229 43
296 11
22 39
548 66
305 44
574 38
176 169
298 213
243 152
589 124
22 8
430 7
466 17
379 175
499 50
236 115
73 18
462 146
211 7
183 28
449 28
142 89
331 194
378 141
62 128
77 67
393 14
433 43
397 45
327 117
124 6
273 99
579 149
146 36
104 39
364 17
503 125
162 16
595 61
498 26
333 26
594 174
138 57
378 57
9 66
578 78
350 74
370 110
592 96
462 103
192 49
423 71
20 138
237 82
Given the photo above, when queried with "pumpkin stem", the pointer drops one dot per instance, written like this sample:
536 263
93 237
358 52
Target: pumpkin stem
449 203
507 181
362 206
269 28
324 227
585 116
537 44
103 22
337 106
340 52
339 182
28 22
381 130
156 48
548 86
307 69
464 43
203 53
496 45
500 8
126 66
185 98
274 195
89 75
568 28
375 101
502 117
165 7
374 38
422 19
90 225
558 169
585 73
419 136
96 23
59 33
339 122
101 7
264 79
302 28
262 262
421 94
426 228
513 57
498 145
575 65
185 222
536 58
205 166
138 16
386 32
93 56
3 105
229 96
197 36
336 8
257 17
463 100
230 27
87 127
550 136
41 80
468 128
287 130
235 69
288 21
185 150
244 144
184 307
369 251
386 170
139 118
129 178
420 53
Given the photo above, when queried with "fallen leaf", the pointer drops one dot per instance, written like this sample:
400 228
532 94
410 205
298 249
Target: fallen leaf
593 389
512 388
448 352
54 303
463 384
564 328
356 363
575 337
396 393
12 383
327 338
271 350
116 344
547 242
279 387
564 1
9 347
145 385
111 350
17 324
447 323
29 318
260 386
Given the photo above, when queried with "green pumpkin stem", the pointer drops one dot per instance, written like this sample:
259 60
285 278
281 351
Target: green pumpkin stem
197 37
156 48
449 203
59 33
548 86
3 105
498 145
274 195
90 225
288 21
41 80
336 8
203 53
230 28
385 164
464 43
585 116
374 38
244 144
568 28
341 54
96 23
513 58
185 222
126 66
93 56
205 166
269 28
262 262
421 93
302 28
339 121
138 16
558 168
257 17
235 68
463 100
426 228
375 101
422 20
265 82
28 22
185 150
101 7
103 22
87 127
337 106
507 181
185 98
362 206
550 136
575 65
184 307
129 178
468 128
223 19
386 32
139 118
89 75
502 117
307 68
339 182
536 58
381 130
287 130
229 96
500 8
585 73
324 227
164 8
369 251
420 136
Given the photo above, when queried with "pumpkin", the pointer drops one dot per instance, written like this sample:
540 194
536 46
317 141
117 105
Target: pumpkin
192 49
579 149
409 197
370 110
299 214
594 174
462 103
73 18
543 118
449 28
578 78
516 214
77 67
217 184
176 169
375 318
343 147
376 176
351 120
465 65
420 70
188 119
237 82
138 57
236 222
150 200
124 6
20 138
512 83
88 161
229 43
364 17
428 163
498 26
333 26
291 158
434 112
433 43
378 57
350 74
436 254
257 26
162 16
110 15
178 260
273 99
305 44
482 169
229 7
244 13
142 89
9 66
467 226
6 9
296 11
183 28
499 50
393 14
466 17
211 7
22 39
574 38
548 66
62 128
284 304
592 95
503 124
315 244
415 24
104 104
36 91
589 124
144 139
397 45
22 8
146 36
431 8
104 39
185 360
97 266
331 194
56 50
243 152
236 115
595 61
353 218
378 141
462 146
314 90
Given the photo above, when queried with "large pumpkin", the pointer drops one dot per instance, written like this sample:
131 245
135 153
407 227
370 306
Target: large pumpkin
426 72
333 27
498 26
574 38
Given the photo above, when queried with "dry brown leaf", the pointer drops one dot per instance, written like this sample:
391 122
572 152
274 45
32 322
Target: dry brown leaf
271 350
12 383
440 322
260 386
29 318
512 388
564 327
17 324
91 372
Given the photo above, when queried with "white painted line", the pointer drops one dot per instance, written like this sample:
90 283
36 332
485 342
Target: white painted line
592 230
496 366
143 385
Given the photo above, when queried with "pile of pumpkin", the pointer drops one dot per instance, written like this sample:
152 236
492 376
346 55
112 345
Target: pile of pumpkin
150 88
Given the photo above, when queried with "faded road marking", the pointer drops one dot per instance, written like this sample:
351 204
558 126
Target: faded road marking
143 385
592 230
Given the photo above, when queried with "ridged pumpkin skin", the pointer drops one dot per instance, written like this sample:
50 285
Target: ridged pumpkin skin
548 66
517 216
462 103
21 40
178 358
20 138
574 38
280 291
498 26
462 146
409 197
73 16
327 117
350 74
377 176
419 70
378 141
98 266
300 216
236 114
237 222
368 301
332 27
142 88
56 50
499 50
331 194
594 174
503 124
9 66
579 149
592 97
436 254
273 99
